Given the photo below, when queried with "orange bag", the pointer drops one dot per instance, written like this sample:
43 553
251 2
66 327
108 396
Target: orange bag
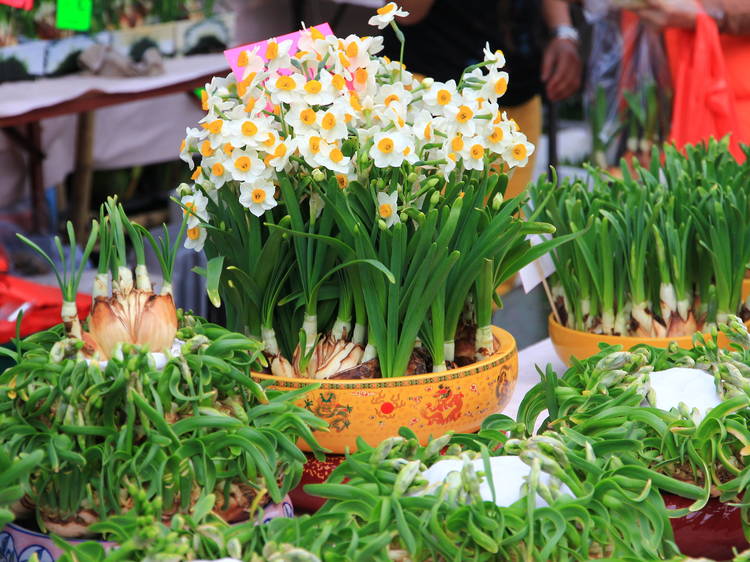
705 104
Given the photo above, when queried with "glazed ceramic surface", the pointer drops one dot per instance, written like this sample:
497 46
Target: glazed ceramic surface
430 405
713 532
581 345
19 545
315 472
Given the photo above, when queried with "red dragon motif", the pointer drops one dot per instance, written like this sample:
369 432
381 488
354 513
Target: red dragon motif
445 409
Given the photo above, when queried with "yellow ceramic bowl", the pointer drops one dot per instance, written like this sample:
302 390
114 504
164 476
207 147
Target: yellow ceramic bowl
572 343
430 404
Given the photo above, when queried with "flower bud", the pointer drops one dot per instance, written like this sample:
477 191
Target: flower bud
497 200
434 198
428 82
184 189
382 225
318 174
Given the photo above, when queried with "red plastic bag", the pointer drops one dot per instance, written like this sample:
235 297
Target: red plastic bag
704 104
42 305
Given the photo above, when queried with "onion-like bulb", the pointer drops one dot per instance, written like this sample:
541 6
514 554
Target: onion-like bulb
140 317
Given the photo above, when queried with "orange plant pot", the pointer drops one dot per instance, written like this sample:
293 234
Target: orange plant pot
572 343
430 404
745 289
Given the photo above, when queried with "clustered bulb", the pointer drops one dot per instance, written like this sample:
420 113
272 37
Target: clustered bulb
338 107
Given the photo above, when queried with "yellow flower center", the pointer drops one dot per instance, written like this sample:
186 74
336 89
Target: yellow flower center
217 169
214 127
360 76
242 87
464 114
279 151
336 155
501 86
390 99
313 86
452 156
407 151
385 145
189 208
497 134
206 149
314 144
328 122
250 105
242 60
285 83
457 144
354 101
259 195
204 100
315 34
249 128
385 210
352 49
477 152
520 152
228 149
338 82
343 60
428 131
242 163
270 140
194 233
272 50
342 180
444 97
196 173
387 9
183 144
307 116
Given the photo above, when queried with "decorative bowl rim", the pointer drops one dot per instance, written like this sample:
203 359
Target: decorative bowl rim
506 351
625 340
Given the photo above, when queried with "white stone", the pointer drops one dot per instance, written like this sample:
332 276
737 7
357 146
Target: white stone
509 473
693 387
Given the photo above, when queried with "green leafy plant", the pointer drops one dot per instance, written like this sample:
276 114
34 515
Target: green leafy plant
180 419
611 399
661 251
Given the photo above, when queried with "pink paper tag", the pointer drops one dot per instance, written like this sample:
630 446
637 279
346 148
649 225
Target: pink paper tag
23 4
233 54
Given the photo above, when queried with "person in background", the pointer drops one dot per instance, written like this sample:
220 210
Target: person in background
733 20
443 37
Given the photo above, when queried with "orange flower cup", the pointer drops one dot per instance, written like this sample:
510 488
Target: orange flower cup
430 404
572 343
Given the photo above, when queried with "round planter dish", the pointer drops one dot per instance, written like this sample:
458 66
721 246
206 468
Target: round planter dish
572 343
314 472
18 544
430 404
713 532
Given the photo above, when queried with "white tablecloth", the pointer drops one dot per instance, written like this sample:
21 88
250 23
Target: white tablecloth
541 354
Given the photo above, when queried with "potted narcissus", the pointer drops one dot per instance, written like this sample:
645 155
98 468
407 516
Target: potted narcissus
662 251
143 395
679 417
543 498
354 224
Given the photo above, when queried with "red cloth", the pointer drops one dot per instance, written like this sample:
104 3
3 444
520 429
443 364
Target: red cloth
705 103
46 306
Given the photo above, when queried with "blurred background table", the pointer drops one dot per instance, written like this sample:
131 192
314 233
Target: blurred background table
55 130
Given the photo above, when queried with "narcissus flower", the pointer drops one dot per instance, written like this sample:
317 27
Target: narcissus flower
388 208
258 197
194 206
519 150
386 14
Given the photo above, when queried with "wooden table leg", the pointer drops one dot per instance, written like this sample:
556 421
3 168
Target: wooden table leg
80 203
40 218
